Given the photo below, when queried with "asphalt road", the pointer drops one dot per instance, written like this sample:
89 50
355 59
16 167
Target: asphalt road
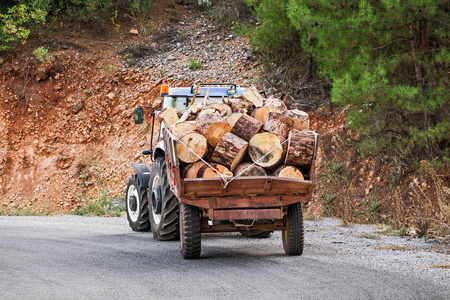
71 257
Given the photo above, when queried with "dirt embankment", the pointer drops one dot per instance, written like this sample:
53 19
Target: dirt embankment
66 123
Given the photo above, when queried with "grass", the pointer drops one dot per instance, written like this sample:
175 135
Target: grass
101 206
367 235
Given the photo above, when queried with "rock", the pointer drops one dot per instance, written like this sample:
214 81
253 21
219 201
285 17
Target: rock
134 32
77 106
111 96
64 162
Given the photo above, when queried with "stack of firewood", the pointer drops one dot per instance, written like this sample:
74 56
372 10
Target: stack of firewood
243 135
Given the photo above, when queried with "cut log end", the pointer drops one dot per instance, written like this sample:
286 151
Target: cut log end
207 172
196 143
266 150
290 172
191 170
249 169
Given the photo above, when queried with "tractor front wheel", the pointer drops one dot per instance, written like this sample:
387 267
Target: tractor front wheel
137 206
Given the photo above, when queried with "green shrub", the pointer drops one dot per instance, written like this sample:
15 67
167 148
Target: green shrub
41 54
15 24
194 64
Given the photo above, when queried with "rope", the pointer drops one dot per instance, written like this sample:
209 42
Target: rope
227 175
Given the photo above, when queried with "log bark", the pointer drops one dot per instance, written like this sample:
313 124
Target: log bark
207 172
233 118
230 151
168 115
278 124
252 95
249 169
196 143
246 127
262 144
301 119
213 127
286 171
260 114
274 102
191 170
181 128
300 150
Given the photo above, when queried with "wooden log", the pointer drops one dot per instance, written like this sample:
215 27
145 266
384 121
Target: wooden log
274 102
207 172
233 118
260 114
207 111
220 108
230 151
278 124
249 169
286 171
301 119
263 143
240 105
252 95
246 127
213 127
300 149
191 170
180 128
196 143
168 115
190 117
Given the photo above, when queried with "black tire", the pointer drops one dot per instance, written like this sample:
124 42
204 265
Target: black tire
165 223
136 203
293 235
256 234
190 231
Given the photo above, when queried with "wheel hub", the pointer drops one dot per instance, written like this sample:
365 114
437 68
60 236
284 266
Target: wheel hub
133 203
157 200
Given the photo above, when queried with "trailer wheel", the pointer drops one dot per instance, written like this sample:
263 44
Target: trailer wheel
293 236
137 206
190 231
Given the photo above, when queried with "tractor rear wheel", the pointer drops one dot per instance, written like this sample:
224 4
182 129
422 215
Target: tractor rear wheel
137 205
163 204
190 231
293 235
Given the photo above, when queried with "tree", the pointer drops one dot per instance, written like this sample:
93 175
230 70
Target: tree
389 61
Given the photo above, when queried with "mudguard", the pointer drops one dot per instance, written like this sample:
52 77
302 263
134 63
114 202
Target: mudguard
143 172
159 149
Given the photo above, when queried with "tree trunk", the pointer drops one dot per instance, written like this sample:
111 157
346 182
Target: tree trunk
196 143
278 124
207 172
191 170
213 127
288 172
230 151
181 128
263 143
249 169
300 150
246 127
301 119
